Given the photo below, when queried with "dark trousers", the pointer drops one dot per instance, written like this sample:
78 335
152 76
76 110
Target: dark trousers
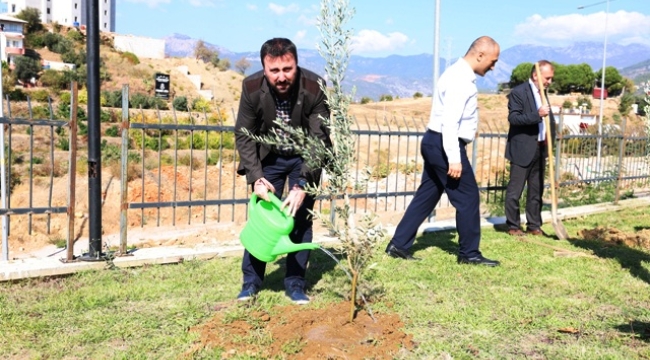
533 176
462 193
277 169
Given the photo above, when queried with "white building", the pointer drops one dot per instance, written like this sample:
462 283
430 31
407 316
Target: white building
11 38
66 12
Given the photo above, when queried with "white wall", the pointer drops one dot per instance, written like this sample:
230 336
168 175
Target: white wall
143 47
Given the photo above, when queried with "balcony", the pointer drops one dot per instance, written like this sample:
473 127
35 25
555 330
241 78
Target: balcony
15 51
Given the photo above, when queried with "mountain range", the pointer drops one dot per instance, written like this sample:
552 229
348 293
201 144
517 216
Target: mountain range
403 76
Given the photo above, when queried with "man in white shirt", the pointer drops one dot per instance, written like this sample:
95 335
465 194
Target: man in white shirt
526 149
453 124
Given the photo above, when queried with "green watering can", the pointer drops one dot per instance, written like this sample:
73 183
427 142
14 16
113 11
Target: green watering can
266 234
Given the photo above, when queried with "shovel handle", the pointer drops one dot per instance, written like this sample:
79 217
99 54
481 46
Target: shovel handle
549 141
273 199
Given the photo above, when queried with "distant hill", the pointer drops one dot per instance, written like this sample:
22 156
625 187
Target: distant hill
638 72
405 75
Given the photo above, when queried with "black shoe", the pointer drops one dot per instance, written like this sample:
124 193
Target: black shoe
477 260
392 251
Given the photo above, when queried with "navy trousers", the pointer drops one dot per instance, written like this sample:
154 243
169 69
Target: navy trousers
462 193
277 169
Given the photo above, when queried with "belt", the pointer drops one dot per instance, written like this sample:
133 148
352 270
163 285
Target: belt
438 133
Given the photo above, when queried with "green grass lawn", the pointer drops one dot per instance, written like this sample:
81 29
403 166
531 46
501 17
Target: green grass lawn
536 305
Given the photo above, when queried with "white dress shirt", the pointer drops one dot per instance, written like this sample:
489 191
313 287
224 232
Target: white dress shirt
454 112
538 103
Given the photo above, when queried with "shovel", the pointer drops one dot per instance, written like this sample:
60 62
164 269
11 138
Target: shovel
560 231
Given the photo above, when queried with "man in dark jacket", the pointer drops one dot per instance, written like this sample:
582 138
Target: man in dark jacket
527 148
286 92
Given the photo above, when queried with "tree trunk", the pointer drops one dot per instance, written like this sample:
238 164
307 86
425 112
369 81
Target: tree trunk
353 294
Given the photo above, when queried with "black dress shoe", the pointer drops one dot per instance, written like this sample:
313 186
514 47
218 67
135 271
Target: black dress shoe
477 260
392 251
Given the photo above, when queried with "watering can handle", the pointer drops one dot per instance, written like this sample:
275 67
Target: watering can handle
274 199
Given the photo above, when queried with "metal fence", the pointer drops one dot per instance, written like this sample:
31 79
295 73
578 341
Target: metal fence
180 167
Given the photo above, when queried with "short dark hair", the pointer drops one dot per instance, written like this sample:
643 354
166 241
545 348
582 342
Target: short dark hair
277 47
541 63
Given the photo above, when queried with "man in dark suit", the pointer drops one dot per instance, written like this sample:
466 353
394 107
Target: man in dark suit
281 90
527 149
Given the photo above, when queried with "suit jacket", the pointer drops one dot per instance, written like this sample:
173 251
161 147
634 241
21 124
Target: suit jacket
524 126
257 113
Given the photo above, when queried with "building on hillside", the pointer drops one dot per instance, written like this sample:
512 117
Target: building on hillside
11 38
64 12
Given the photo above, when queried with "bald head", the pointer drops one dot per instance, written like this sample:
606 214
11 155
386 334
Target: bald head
483 55
482 44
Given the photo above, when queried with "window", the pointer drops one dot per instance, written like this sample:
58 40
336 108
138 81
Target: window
48 10
104 25
75 19
104 12
13 8
75 5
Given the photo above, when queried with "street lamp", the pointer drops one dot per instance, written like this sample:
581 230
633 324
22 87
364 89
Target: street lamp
602 85
436 50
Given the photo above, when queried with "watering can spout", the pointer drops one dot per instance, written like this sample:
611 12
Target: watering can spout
285 246
266 234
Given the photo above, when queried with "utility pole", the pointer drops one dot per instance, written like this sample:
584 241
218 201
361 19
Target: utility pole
94 139
448 53
436 48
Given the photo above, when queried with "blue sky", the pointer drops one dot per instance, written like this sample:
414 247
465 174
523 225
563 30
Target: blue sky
382 27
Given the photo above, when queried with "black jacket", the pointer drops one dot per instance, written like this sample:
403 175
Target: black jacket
257 113
524 129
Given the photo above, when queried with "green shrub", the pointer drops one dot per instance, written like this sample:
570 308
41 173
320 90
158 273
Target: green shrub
113 131
63 143
366 100
386 98
417 95
584 100
40 95
105 116
64 111
223 64
113 98
17 95
54 78
131 57
64 47
228 140
213 158
65 97
201 104
75 36
187 160
567 104
139 100
41 112
180 103
149 142
71 56
110 153
82 97
82 128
